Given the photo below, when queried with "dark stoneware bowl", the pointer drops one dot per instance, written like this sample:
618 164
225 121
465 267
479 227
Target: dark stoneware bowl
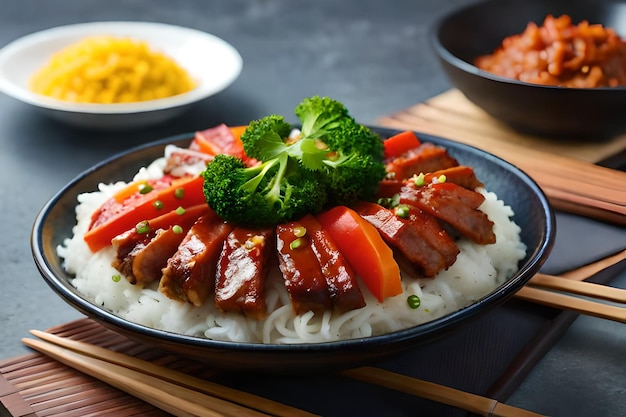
585 113
56 219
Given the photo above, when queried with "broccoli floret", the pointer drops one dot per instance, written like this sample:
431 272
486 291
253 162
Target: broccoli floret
320 114
352 154
355 168
270 193
263 139
333 161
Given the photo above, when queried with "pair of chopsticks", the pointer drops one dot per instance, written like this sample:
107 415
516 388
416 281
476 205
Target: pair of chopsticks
563 291
184 395
172 391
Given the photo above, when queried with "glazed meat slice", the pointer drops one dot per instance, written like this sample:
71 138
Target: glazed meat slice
454 205
423 159
242 270
462 175
141 256
343 287
190 273
141 260
301 271
416 243
431 231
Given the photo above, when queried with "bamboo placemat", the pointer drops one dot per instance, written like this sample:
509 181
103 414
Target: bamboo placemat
35 385
453 116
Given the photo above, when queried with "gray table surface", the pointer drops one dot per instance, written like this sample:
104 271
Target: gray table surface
372 55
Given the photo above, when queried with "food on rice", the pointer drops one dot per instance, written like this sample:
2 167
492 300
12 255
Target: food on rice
474 253
559 53
108 69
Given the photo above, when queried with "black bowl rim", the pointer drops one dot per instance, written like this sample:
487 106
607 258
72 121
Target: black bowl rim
434 35
70 295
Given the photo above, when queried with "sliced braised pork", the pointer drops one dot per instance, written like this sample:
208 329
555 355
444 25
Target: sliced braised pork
242 270
141 261
341 279
454 205
301 271
190 273
423 159
141 256
420 240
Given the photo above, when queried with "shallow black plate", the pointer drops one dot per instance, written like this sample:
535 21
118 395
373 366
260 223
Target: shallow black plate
464 34
56 219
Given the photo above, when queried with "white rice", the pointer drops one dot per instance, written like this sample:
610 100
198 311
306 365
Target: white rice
478 270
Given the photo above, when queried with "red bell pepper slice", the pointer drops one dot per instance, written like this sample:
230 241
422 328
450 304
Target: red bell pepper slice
365 250
400 143
114 217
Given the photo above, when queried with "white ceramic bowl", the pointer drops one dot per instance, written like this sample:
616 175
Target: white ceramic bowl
211 61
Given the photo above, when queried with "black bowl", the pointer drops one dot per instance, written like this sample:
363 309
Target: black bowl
585 113
56 219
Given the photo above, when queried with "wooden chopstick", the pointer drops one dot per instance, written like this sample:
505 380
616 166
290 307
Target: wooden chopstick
152 383
593 268
589 289
551 290
568 302
466 401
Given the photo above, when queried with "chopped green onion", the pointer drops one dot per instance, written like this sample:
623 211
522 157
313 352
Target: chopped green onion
389 202
299 231
441 179
413 301
145 188
177 229
142 227
116 278
419 179
296 244
158 204
179 193
180 211
402 211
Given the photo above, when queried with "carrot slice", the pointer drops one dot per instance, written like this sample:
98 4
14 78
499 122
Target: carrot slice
365 250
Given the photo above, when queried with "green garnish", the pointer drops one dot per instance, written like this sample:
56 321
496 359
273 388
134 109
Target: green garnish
413 301
296 244
158 204
419 180
177 229
179 193
142 227
145 188
116 278
180 211
402 211
389 202
299 231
